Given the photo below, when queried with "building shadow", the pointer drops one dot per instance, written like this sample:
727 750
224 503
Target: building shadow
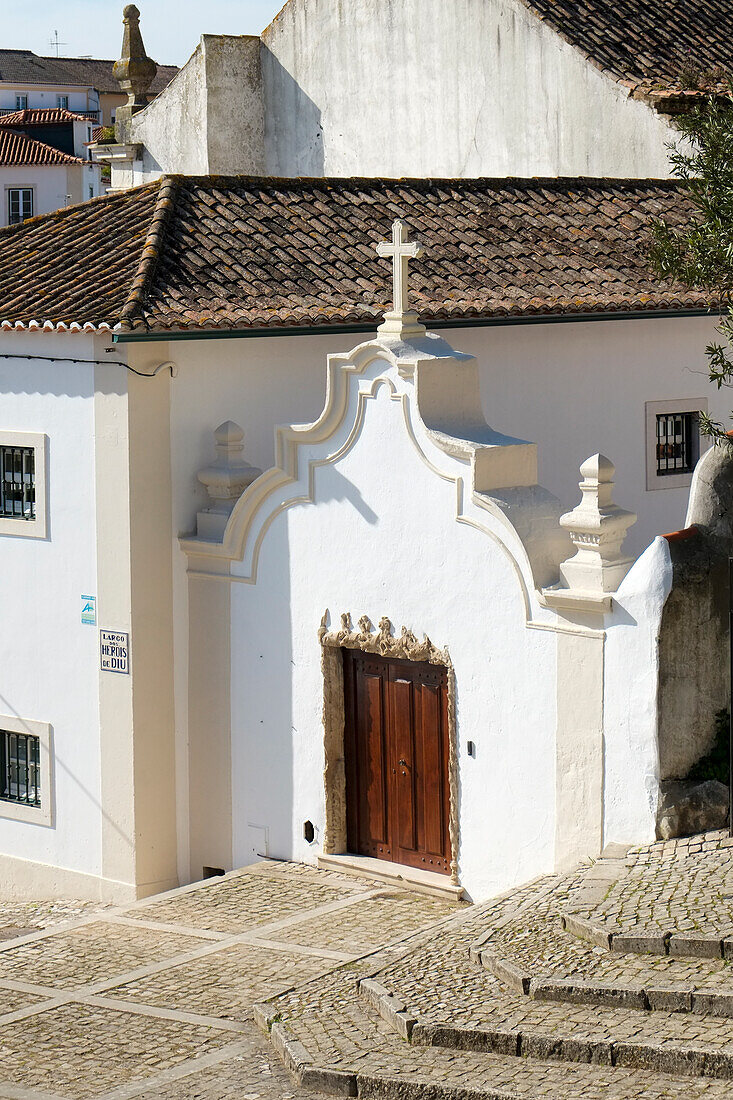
293 130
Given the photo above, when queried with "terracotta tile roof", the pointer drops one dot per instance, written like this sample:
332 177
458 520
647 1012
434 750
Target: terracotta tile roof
87 72
41 116
645 43
78 262
20 149
250 252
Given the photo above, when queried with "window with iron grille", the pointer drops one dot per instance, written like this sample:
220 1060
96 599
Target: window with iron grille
20 768
20 204
677 442
18 482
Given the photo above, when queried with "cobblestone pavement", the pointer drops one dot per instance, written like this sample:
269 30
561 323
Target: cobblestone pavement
467 1027
22 917
155 999
679 885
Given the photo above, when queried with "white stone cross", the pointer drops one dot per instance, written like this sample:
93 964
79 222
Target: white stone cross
401 321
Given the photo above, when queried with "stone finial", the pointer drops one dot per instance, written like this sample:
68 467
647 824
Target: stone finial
597 528
225 480
401 322
135 72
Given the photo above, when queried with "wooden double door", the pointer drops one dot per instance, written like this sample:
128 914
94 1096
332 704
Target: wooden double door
396 755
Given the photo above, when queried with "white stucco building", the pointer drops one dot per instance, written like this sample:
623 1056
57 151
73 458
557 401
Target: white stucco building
42 173
487 88
241 528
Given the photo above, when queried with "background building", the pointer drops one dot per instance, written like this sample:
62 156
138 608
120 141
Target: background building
81 84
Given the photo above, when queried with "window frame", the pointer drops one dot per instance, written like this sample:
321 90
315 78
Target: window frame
653 409
8 192
15 525
21 101
65 104
17 811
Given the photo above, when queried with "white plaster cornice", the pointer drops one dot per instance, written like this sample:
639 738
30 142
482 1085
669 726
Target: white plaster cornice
438 390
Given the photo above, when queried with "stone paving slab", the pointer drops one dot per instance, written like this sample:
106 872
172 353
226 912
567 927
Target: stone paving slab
241 903
89 952
154 1000
225 983
80 1050
437 996
362 928
254 1072
13 999
330 1035
539 948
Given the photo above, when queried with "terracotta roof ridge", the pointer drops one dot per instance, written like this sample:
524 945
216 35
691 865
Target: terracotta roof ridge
30 116
164 206
28 144
429 182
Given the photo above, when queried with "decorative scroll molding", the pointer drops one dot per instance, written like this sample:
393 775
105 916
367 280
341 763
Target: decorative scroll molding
381 640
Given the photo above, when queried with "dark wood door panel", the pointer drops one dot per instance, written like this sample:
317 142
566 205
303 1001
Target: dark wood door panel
402 714
396 756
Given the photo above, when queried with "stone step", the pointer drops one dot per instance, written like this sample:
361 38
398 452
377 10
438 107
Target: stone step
509 1026
394 1070
639 939
539 959
642 992
673 897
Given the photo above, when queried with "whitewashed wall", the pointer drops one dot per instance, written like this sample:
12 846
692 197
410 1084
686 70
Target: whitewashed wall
630 700
80 99
51 184
382 538
208 119
485 88
573 388
48 659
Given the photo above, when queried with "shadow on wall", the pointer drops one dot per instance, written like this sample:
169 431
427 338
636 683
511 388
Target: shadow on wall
293 131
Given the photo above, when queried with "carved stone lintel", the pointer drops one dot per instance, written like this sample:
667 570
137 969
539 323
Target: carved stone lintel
407 647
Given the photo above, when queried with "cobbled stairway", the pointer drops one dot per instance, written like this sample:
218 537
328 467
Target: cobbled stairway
614 982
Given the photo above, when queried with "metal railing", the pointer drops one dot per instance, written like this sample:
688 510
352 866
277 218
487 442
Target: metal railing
20 768
93 116
675 443
18 482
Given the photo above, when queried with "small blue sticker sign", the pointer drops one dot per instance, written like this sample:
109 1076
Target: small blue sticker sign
89 610
114 651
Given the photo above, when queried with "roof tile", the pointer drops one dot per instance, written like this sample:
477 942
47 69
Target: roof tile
19 149
247 252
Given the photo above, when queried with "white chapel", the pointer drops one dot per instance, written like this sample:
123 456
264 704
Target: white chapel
353 505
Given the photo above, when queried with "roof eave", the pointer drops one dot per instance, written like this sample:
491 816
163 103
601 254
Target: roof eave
121 336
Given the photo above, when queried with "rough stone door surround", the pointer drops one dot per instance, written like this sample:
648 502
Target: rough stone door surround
407 647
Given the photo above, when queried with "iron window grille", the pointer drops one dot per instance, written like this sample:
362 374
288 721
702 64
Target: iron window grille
20 768
20 204
18 482
677 442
